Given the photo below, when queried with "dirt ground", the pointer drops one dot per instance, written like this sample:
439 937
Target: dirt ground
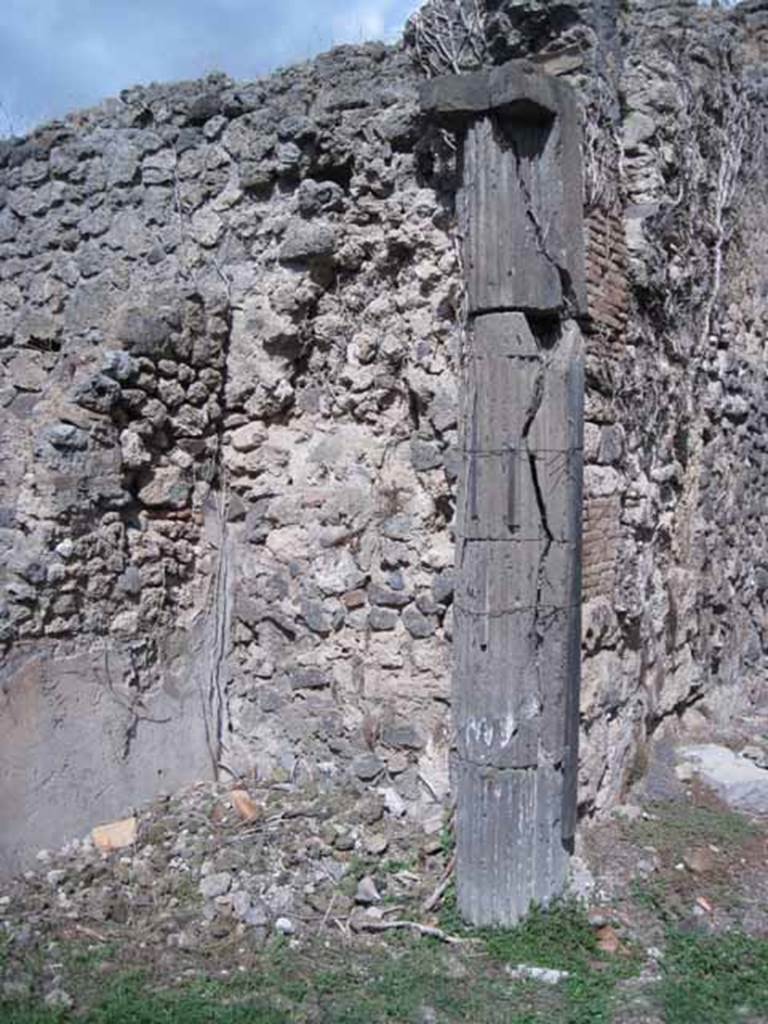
281 904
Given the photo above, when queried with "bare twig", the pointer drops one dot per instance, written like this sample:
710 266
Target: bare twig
328 910
449 36
432 901
363 925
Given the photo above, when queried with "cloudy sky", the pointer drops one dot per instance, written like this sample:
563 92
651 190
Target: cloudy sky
60 55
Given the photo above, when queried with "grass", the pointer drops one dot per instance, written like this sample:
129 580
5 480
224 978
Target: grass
706 980
715 979
677 827
393 983
562 938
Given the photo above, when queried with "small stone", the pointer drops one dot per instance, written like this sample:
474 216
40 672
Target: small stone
257 915
699 861
398 527
115 836
304 241
425 456
316 618
368 767
344 842
546 975
608 940
403 735
207 227
66 548
309 679
133 450
442 586
376 844
427 604
120 365
418 625
166 488
58 999
336 572
248 438
628 812
66 437
99 393
285 926
246 808
366 892
388 598
214 885
382 620
432 845
240 902
353 599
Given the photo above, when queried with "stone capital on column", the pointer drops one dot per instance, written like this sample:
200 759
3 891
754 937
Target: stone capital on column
520 201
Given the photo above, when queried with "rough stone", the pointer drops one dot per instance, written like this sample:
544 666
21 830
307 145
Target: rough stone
418 625
216 884
738 781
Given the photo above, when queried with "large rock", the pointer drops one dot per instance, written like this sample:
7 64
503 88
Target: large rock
736 779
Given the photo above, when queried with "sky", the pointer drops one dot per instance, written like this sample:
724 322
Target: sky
61 55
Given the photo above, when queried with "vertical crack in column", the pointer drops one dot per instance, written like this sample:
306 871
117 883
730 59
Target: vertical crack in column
539 232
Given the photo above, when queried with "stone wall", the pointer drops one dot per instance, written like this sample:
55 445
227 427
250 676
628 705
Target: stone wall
230 333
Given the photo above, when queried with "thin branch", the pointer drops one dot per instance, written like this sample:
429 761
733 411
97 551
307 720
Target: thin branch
364 925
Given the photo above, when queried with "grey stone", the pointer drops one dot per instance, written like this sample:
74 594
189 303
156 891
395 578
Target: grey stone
427 604
382 619
98 393
387 598
425 456
638 128
257 915
319 197
142 332
308 240
418 625
737 780
167 486
443 586
129 582
120 365
368 767
366 892
406 736
336 572
216 884
315 617
309 679
398 527
59 999
67 437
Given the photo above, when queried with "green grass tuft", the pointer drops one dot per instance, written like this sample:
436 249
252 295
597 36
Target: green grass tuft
714 979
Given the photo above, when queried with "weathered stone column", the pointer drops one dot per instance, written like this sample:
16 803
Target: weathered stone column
517 605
